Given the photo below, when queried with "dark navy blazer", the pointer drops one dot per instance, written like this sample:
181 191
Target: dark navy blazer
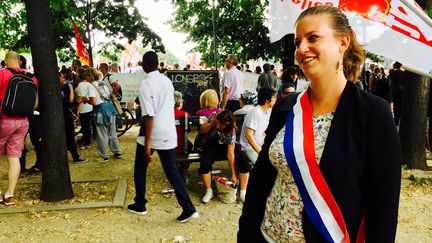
361 164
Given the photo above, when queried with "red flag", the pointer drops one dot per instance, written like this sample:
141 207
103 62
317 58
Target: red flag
81 49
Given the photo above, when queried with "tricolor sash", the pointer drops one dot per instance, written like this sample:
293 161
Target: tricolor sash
299 148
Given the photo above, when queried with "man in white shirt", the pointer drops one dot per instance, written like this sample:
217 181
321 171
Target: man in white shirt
233 85
112 84
256 122
158 132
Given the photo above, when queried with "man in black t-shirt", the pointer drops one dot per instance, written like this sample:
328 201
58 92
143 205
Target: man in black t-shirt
397 82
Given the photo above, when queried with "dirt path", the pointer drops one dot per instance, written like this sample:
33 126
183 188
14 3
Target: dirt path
218 221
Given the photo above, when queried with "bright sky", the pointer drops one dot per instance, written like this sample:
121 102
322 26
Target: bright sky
157 14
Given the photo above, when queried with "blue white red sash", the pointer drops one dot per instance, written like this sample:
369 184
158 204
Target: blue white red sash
299 148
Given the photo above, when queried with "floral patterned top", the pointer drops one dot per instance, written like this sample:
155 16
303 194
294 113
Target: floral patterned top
282 219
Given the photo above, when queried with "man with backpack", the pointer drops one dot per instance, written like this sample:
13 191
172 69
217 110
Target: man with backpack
112 84
18 97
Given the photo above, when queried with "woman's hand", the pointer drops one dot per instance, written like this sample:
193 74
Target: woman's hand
213 121
147 155
234 178
206 126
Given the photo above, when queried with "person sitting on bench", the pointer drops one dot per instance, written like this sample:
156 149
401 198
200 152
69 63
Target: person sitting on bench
179 113
209 102
221 132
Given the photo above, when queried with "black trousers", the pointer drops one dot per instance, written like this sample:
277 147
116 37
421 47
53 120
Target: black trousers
232 105
397 105
35 138
167 158
85 120
70 137
214 150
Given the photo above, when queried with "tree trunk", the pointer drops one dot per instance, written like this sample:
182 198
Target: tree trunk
88 30
414 116
288 49
413 121
56 183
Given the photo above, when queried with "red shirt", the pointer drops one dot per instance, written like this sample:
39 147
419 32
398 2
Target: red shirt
180 131
5 75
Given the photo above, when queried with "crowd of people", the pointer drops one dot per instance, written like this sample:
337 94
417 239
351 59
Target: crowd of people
86 93
320 162
387 84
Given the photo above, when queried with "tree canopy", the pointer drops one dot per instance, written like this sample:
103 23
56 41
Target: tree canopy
240 28
112 19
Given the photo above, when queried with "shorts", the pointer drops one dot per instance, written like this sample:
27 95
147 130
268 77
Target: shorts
12 134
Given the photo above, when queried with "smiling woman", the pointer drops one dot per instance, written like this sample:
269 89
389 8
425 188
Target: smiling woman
309 182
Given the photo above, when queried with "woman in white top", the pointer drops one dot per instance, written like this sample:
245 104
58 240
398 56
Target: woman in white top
105 116
85 110
256 121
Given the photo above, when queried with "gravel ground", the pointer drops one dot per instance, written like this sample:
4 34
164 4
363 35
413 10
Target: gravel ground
218 222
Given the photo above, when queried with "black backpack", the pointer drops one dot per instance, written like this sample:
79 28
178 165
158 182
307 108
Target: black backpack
20 96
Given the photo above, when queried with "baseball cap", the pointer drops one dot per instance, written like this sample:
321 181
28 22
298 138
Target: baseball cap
250 97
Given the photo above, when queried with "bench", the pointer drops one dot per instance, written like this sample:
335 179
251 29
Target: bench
185 159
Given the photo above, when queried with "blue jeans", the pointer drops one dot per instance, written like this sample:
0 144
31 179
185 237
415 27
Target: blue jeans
167 158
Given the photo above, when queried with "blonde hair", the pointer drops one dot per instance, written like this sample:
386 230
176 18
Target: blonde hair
95 73
233 59
209 99
354 56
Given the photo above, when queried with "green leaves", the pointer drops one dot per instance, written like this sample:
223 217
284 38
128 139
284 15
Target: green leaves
239 24
111 19
114 20
429 12
13 22
374 57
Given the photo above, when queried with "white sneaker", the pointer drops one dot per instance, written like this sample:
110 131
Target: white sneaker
242 198
207 196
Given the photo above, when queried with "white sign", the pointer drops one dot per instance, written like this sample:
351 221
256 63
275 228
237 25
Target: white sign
130 83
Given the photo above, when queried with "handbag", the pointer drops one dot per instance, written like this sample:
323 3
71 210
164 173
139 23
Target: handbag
227 190
116 104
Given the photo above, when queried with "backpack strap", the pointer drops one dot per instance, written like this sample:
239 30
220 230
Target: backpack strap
100 92
22 72
108 75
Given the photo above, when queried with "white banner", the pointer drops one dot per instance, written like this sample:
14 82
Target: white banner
396 29
130 83
250 81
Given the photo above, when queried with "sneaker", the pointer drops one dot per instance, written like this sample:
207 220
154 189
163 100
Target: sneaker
9 201
184 217
1 197
105 160
33 170
80 160
207 196
117 156
22 174
137 209
83 147
242 198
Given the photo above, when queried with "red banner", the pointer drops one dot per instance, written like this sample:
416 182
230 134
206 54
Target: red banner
81 49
